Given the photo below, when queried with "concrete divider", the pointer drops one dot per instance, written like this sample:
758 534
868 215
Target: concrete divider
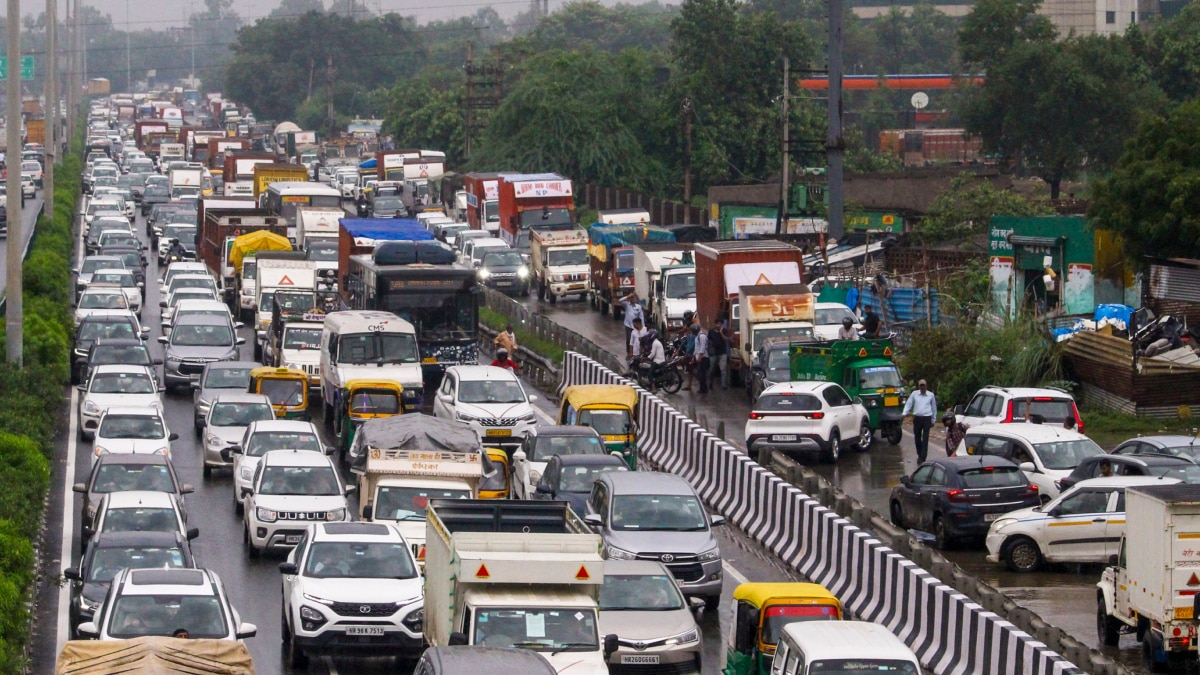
951 633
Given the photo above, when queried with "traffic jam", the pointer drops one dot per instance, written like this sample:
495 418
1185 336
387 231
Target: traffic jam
395 495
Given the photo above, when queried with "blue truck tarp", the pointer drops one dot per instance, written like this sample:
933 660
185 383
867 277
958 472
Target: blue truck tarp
386 229
609 236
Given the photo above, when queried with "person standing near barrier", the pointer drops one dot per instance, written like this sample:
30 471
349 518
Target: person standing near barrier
506 340
922 408
700 355
718 355
633 312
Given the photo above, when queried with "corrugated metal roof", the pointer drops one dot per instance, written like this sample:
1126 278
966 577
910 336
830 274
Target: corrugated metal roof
1175 280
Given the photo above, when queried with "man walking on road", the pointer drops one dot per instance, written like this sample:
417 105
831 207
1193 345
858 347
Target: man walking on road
700 355
922 408
718 354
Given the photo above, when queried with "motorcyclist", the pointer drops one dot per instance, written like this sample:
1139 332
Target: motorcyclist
847 331
502 361
176 250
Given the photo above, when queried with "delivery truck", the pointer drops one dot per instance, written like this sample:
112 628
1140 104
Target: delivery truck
664 276
515 573
265 174
610 255
511 204
775 312
239 171
1149 588
559 259
223 222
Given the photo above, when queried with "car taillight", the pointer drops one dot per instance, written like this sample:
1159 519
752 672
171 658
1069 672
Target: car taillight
957 496
756 416
1008 415
816 416
1031 490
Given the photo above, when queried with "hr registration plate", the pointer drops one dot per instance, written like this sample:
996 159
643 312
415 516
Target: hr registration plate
783 438
291 539
990 517
364 630
639 658
499 432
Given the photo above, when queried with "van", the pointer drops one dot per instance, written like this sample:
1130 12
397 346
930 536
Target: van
473 253
467 235
369 344
808 647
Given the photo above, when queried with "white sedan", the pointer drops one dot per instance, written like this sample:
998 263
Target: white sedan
111 386
133 431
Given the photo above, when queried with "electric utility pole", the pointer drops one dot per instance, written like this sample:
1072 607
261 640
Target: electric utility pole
14 307
835 145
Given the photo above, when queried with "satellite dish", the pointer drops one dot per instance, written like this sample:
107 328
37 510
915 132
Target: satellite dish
920 100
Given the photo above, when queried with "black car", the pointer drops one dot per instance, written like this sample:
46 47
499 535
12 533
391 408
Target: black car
98 326
118 351
959 497
109 553
569 477
119 472
505 271
1163 465
154 194
99 226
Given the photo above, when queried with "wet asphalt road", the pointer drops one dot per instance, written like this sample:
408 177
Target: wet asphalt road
1063 596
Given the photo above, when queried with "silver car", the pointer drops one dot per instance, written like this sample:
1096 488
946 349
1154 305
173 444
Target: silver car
219 377
195 341
641 603
228 418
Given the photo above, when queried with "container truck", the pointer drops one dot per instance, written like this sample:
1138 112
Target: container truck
1149 588
664 276
143 128
723 267
180 181
277 271
610 255
775 312
559 259
515 573
265 174
239 171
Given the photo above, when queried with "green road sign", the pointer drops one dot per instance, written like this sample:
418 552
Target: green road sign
26 67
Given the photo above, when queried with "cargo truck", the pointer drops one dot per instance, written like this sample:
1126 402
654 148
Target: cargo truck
664 276
143 128
222 222
511 204
776 312
515 573
610 256
180 181
559 259
864 368
265 174
35 131
1149 587
239 171
277 271
723 267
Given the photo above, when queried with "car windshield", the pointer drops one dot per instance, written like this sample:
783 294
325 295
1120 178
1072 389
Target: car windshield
124 477
302 338
862 667
120 354
994 477
879 377
202 336
299 480
191 282
388 205
133 426
284 392
409 503
355 560
290 300
502 259
90 265
1050 410
545 447
103 301
490 391
140 519
180 232
92 330
139 615
1064 455
665 513
606 422
124 280
639 592
365 348
374 403
537 629
323 252
155 191
779 616
265 441
680 286
834 315
106 562
230 414
1188 473
788 403
568 256
227 378
122 383
579 478
779 366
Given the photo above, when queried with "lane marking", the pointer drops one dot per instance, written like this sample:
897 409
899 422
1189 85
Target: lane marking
733 572
68 525
329 664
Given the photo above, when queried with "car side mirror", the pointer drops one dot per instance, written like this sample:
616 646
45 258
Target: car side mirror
141 284
593 519
173 436
81 387
192 533
368 512
246 492
80 488
289 568
186 489
695 604
1027 467
351 489
165 325
145 332
457 639
235 449
246 630
88 532
238 325
163 339
73 574
716 520
157 362
958 409
905 480
329 450
162 390
533 399
240 341
858 400
1112 560
610 645
226 454
194 385
88 630
163 303
543 488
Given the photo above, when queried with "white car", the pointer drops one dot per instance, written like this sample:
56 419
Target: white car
125 281
139 511
1001 405
133 431
1046 453
798 417
290 489
229 415
112 386
1085 524
489 398
168 306
264 436
530 460
351 587
97 298
178 268
157 601
828 319
185 306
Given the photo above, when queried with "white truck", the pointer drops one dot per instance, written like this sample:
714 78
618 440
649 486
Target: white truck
369 344
560 263
664 275
180 181
1149 588
781 312
171 152
317 222
521 574
277 271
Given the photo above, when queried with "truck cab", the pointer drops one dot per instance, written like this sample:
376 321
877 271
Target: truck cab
771 312
560 263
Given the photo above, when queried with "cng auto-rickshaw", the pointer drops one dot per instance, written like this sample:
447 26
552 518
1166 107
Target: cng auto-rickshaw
361 400
610 409
287 388
495 482
761 612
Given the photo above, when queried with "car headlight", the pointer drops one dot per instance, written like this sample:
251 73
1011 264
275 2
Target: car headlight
465 417
523 272
535 476
1002 523
336 514
484 273
215 442
714 554
410 394
163 451
310 614
266 515
558 277
415 620
247 473
618 553
692 635
91 408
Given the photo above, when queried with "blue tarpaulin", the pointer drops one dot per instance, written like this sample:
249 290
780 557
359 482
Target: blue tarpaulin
386 229
904 305
369 164
609 236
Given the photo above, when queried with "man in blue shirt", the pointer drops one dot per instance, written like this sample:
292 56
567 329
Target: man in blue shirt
922 408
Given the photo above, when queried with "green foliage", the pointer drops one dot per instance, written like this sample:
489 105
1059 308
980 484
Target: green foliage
993 28
964 212
958 361
1172 52
24 479
424 113
587 24
1152 198
922 40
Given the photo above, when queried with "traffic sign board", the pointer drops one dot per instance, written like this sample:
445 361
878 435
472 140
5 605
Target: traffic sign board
26 67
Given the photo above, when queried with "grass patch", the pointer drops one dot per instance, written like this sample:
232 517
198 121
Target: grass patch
544 348
1110 428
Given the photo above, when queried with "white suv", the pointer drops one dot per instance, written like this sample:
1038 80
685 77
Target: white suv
1001 405
142 602
262 437
808 417
1047 453
290 489
489 398
351 587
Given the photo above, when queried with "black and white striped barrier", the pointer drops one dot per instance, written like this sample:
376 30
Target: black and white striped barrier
950 633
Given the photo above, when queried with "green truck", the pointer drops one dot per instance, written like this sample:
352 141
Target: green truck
865 369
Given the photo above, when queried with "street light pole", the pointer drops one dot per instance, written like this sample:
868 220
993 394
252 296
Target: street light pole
14 308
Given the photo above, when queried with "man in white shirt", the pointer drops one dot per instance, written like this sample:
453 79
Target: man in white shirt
847 332
922 407
634 344
700 356
633 312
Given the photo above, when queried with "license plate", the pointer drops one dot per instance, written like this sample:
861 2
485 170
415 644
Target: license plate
989 517
291 539
504 283
499 432
1183 613
429 359
639 658
891 400
783 438
364 630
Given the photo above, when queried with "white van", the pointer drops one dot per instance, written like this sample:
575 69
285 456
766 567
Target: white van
808 647
473 252
373 345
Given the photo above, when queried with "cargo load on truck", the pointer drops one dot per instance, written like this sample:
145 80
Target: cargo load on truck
220 228
610 254
766 312
154 656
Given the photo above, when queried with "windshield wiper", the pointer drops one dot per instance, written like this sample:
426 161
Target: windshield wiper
571 645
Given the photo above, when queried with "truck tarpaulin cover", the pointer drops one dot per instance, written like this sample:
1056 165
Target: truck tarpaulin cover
415 431
261 240
154 656
604 237
367 230
369 164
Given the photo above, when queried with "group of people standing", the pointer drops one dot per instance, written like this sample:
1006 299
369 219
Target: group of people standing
707 351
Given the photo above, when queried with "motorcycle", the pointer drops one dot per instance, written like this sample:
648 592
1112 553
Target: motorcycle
667 376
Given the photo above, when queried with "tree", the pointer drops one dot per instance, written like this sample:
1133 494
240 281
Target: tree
1172 52
922 40
964 212
994 27
1152 198
291 9
422 114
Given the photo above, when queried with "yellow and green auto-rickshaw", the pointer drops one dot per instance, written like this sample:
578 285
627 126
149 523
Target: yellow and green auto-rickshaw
287 388
761 612
361 400
495 482
610 409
